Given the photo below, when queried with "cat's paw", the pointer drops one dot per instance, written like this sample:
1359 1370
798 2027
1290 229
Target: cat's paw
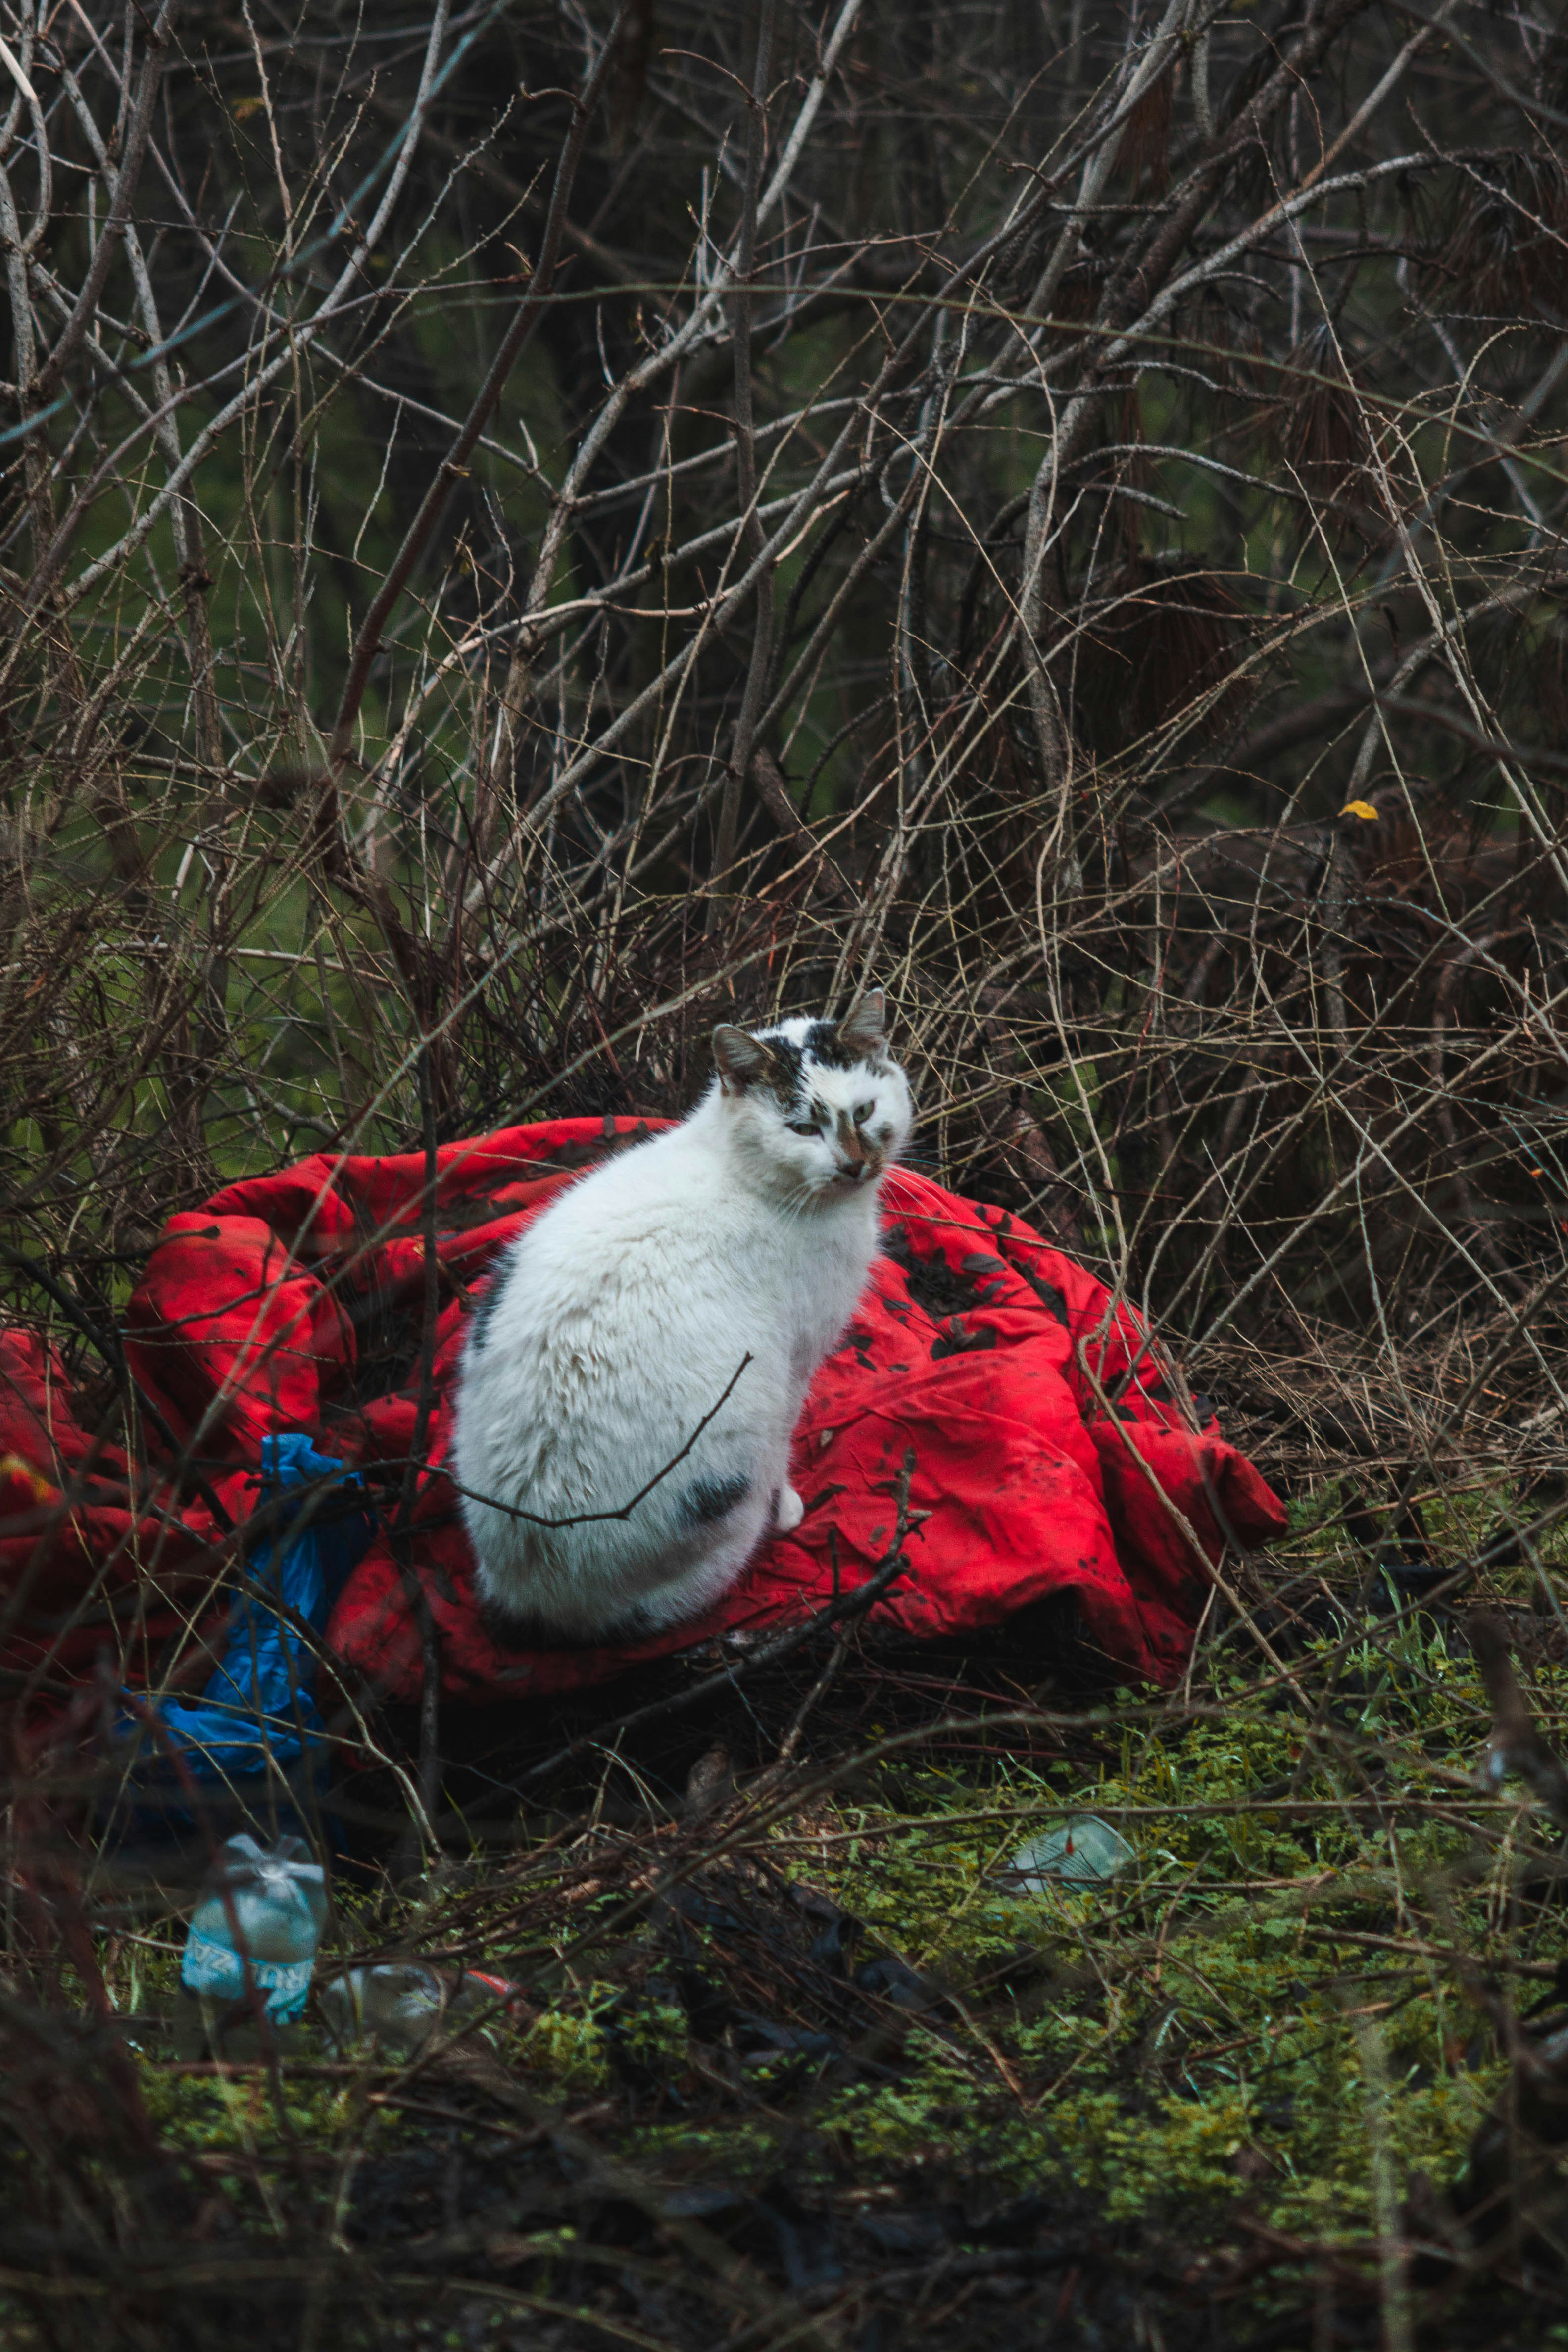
788 1512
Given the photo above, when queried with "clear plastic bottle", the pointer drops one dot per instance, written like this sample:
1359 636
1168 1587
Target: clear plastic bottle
264 1905
1082 1851
402 2003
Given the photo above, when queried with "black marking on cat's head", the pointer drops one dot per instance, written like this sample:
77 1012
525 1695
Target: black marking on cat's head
788 1078
825 1044
708 1500
770 1058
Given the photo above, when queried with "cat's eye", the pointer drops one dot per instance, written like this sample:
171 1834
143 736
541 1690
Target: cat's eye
863 1112
803 1126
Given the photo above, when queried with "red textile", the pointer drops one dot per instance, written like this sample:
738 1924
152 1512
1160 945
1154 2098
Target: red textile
1049 1456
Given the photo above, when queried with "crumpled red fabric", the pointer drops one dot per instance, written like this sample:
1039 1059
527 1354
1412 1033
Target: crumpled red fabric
1051 1458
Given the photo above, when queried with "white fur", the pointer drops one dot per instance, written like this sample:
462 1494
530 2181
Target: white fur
621 1315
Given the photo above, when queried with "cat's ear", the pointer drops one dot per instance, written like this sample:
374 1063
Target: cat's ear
743 1059
864 1032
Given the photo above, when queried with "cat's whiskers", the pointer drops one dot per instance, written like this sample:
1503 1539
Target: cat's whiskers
793 1205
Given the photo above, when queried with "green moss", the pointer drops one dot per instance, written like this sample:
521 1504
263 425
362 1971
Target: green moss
1183 2037
242 2110
567 2047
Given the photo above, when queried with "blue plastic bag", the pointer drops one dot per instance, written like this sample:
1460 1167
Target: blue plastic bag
259 1715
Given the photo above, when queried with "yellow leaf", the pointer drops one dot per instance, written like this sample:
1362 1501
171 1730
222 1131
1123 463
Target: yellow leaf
13 1466
244 108
1362 809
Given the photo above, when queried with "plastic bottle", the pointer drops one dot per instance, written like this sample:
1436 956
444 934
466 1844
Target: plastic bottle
264 1905
401 2003
1080 1852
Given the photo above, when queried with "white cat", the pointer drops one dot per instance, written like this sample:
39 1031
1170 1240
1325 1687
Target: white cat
619 1320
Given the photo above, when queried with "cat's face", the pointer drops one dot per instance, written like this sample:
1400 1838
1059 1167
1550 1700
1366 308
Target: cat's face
822 1103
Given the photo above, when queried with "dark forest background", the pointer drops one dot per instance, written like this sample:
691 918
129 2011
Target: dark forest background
525 530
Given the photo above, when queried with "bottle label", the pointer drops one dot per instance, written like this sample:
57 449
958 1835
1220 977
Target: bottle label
217 1969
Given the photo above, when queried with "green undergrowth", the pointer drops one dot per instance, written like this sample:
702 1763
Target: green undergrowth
1263 2008
1206 2024
1282 2007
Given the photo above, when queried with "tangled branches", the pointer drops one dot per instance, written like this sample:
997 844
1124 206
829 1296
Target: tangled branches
526 528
